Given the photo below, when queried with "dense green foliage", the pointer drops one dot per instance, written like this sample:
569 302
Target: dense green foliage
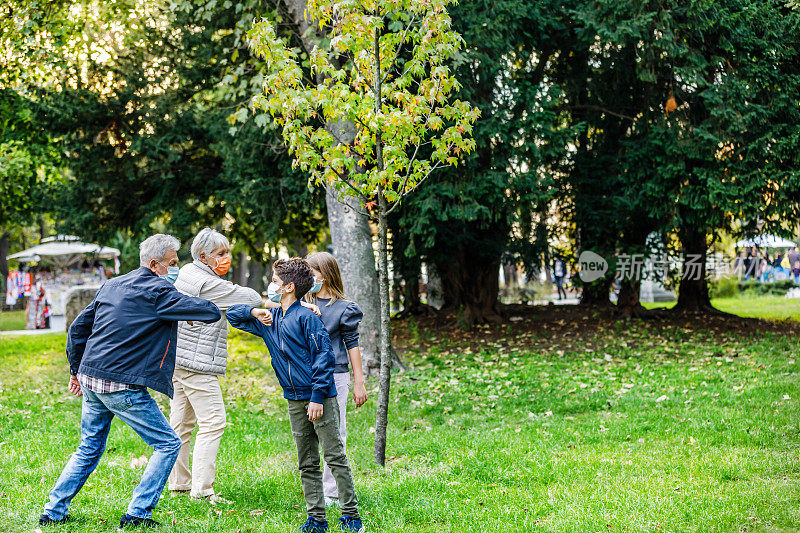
602 123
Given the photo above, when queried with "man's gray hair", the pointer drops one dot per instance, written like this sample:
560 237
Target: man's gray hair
156 246
208 240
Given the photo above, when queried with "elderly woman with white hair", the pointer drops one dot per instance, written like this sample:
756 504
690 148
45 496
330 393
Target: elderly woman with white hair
202 356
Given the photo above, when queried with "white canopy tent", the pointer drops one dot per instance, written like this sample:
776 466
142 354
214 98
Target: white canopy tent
766 241
64 251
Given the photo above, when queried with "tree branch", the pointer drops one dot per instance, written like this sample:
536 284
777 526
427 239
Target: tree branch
397 52
601 109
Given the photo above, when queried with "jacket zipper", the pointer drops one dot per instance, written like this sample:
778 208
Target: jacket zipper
283 351
314 337
165 354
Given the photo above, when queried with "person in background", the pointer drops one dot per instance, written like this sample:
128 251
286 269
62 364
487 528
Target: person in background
559 271
341 318
766 268
747 264
777 270
786 265
37 312
119 346
796 272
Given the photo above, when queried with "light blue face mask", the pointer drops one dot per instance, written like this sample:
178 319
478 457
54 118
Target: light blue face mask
272 292
316 287
171 275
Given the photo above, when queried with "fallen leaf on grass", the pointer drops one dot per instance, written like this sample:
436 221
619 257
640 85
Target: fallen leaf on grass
662 398
137 462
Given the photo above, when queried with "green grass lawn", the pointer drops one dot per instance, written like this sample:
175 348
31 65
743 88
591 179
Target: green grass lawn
769 307
12 320
634 427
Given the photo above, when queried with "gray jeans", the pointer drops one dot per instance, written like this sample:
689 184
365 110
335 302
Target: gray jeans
308 436
342 381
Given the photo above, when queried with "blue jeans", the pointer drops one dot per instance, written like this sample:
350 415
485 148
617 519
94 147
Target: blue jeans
136 408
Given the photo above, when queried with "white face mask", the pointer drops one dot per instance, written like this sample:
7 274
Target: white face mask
272 292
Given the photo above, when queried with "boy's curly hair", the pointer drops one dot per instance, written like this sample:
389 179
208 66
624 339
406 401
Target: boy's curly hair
295 270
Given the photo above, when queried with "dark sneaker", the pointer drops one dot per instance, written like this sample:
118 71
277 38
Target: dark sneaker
45 520
135 521
313 525
351 524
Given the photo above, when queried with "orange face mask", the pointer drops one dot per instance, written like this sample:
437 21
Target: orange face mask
223 265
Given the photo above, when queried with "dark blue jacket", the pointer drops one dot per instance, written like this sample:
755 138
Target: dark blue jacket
128 333
299 348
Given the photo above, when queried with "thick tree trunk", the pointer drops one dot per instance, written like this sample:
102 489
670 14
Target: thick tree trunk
434 293
470 286
255 277
352 247
595 294
239 269
628 304
693 294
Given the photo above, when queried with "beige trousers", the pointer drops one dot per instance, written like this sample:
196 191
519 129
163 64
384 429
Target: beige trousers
342 381
197 398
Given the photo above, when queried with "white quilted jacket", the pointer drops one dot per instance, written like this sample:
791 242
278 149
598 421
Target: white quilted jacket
204 347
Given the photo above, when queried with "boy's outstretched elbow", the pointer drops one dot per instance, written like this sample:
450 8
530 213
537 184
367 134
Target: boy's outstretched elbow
237 315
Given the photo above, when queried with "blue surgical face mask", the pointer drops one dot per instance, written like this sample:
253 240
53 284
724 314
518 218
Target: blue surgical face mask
171 275
316 287
272 292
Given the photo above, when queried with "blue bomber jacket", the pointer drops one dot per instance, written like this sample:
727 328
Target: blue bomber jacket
299 348
128 333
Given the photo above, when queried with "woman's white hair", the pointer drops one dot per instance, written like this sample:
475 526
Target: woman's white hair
156 246
208 240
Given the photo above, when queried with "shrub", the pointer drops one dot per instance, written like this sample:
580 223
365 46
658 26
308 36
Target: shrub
723 288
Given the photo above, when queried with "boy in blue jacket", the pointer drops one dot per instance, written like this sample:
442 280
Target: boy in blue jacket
303 359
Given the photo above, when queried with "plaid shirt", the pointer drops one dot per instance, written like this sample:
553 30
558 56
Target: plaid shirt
101 386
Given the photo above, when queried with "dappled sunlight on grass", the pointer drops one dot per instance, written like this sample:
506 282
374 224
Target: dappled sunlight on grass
636 427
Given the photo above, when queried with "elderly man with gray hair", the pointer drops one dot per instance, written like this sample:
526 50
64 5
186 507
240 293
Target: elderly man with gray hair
122 344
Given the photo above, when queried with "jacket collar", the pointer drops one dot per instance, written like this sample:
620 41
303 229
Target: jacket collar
204 267
292 307
144 271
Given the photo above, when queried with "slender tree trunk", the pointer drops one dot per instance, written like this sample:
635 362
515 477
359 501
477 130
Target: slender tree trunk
382 418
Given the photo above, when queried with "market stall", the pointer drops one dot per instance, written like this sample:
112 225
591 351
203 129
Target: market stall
57 265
